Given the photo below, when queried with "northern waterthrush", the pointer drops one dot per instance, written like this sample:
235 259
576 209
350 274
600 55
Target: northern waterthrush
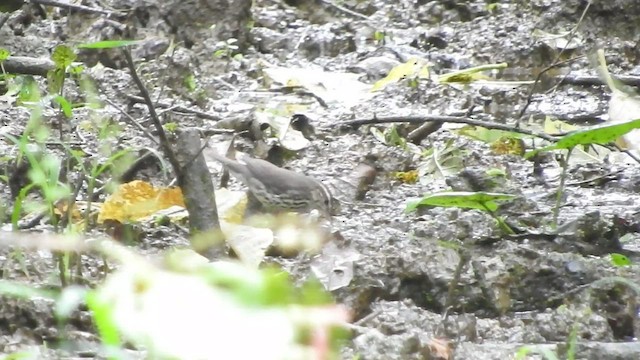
279 189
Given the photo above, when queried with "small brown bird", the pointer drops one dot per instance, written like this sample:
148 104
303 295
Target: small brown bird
279 189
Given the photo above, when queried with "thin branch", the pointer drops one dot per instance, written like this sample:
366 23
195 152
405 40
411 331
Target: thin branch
75 7
178 108
592 80
533 87
628 152
3 19
555 62
448 119
162 136
345 10
132 120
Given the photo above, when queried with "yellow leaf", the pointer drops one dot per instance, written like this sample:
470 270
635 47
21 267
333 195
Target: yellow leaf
136 200
413 67
557 126
469 75
407 177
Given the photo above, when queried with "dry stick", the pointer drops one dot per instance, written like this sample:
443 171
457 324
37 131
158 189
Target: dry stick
193 178
426 129
455 280
162 136
3 19
555 88
533 87
592 80
71 204
132 120
199 196
28 65
79 8
164 71
628 152
345 10
423 131
201 114
554 63
461 120
445 118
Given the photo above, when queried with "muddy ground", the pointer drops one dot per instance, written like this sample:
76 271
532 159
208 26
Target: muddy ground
438 273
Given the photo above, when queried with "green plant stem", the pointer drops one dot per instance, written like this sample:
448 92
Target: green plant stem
572 343
563 178
62 269
501 223
453 284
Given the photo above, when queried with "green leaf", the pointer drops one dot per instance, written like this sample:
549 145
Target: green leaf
29 91
171 127
54 193
63 56
39 132
313 293
76 69
268 287
108 44
69 301
104 319
4 54
557 126
55 80
393 138
496 172
619 260
461 199
190 82
470 74
21 355
599 134
276 288
378 135
492 7
486 135
19 290
37 176
526 350
447 244
572 343
65 106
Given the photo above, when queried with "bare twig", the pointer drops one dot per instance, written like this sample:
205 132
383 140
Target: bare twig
345 10
3 19
75 7
592 80
533 87
629 153
162 136
555 62
28 65
455 280
132 120
178 108
445 118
